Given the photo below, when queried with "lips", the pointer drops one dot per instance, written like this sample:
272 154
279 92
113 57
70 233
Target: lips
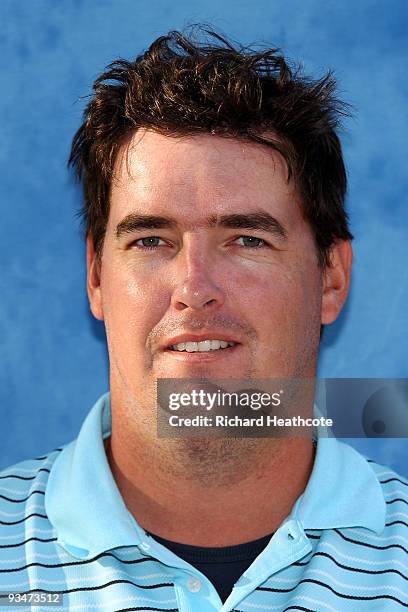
204 346
210 335
202 356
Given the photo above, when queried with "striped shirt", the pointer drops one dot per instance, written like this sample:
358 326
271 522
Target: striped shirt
64 529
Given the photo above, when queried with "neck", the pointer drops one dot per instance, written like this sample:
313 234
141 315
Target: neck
218 492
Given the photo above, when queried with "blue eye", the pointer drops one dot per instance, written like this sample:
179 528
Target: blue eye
253 241
150 240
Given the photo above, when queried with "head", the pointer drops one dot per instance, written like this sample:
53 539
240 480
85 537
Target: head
214 189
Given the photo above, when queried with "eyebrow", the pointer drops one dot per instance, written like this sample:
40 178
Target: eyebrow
259 220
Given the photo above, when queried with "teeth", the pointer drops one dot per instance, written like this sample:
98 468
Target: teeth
202 346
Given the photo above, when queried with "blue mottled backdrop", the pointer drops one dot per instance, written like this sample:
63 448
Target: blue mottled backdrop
53 358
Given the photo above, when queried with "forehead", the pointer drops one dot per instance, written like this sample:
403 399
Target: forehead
203 173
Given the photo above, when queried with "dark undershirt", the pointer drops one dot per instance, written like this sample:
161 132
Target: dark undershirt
222 566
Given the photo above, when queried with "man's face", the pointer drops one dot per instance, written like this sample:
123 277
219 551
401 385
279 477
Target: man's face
257 284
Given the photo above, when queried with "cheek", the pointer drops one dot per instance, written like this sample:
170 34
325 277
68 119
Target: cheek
284 302
132 306
269 291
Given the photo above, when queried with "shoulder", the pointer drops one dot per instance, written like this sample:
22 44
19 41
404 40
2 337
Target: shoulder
386 474
395 490
357 565
22 491
25 472
391 542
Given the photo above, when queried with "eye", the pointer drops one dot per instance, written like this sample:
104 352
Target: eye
150 242
252 242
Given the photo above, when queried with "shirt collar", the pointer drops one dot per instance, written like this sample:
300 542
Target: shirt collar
82 500
341 477
85 507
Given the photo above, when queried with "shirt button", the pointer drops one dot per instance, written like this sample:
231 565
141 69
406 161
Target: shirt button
194 585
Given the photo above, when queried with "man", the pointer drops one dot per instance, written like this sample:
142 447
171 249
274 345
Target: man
217 246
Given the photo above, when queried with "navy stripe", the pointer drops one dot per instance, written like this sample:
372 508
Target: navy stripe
342 595
148 608
20 501
82 562
352 569
299 608
34 539
370 545
26 477
397 499
396 479
19 477
93 588
396 523
24 519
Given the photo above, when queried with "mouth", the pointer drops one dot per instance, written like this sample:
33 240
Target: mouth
206 350
201 346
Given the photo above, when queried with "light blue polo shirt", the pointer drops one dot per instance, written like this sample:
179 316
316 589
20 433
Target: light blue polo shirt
64 528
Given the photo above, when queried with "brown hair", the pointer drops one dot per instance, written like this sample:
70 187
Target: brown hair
183 87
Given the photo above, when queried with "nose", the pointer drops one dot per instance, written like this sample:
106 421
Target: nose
196 287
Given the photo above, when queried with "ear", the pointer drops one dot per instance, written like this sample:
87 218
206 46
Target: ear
336 281
93 280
